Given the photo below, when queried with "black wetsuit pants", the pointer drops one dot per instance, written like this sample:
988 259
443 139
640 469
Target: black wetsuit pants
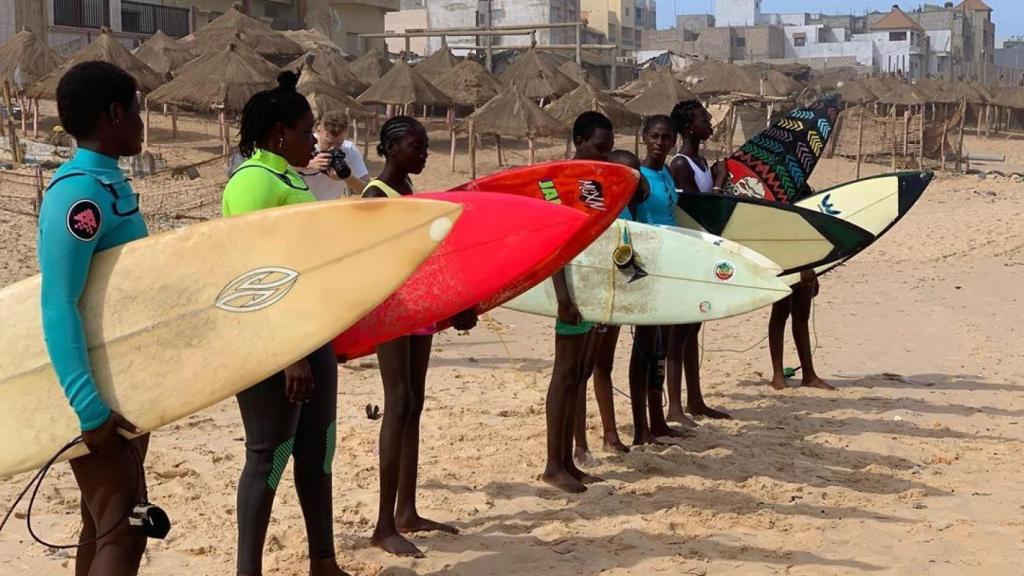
275 430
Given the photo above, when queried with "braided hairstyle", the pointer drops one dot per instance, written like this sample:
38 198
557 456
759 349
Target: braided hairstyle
684 113
661 119
265 109
392 132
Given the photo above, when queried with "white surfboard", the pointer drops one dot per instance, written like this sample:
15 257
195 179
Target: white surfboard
678 277
875 204
179 321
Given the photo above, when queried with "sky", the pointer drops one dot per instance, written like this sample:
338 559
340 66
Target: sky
1005 13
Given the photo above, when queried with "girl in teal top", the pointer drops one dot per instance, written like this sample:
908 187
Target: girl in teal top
660 206
89 207
293 412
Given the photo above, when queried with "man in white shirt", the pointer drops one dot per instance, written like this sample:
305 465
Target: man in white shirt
323 182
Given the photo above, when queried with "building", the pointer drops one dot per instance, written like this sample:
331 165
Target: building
951 40
622 22
69 25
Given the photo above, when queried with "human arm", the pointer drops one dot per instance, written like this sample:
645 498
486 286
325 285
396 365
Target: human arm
567 311
360 175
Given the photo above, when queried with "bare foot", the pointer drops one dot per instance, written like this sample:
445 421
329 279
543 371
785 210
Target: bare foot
647 439
704 410
583 458
681 418
564 481
419 524
326 567
817 383
614 445
397 545
668 432
779 382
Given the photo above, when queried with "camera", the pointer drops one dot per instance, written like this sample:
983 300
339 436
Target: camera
338 164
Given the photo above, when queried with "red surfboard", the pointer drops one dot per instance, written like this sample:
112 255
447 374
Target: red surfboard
499 240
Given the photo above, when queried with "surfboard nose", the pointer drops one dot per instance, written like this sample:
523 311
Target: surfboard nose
911 186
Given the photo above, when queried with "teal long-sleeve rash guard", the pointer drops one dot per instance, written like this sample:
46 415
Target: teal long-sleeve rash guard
89 207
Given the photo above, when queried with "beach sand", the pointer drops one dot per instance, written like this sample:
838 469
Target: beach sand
911 467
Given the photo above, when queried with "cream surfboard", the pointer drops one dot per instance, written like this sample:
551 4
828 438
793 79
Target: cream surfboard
179 321
875 204
676 277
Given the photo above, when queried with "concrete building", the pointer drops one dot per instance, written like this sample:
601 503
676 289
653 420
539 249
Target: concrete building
900 45
622 22
738 13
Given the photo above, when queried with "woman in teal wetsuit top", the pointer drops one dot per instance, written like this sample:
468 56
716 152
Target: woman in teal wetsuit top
89 207
293 412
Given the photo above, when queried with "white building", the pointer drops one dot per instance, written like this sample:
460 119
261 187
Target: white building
738 13
901 45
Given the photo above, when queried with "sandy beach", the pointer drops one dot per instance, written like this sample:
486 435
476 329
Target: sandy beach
911 467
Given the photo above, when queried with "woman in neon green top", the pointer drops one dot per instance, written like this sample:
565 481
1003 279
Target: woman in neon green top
293 412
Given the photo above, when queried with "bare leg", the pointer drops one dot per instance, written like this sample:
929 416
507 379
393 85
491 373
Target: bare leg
643 351
674 375
407 518
604 362
802 297
578 412
655 389
394 358
86 552
568 352
691 365
777 340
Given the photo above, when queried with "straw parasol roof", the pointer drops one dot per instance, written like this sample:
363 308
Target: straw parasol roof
104 48
438 63
163 54
903 94
854 91
511 113
778 84
401 86
24 59
1012 97
586 98
537 77
371 66
579 74
660 95
877 86
311 40
326 97
233 25
955 92
333 68
712 77
223 80
470 84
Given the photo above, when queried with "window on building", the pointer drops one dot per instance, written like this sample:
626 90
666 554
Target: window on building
81 13
799 39
898 36
739 42
271 10
145 18
627 12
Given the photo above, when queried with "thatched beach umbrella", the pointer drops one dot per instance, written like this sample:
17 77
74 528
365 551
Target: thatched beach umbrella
163 54
333 68
903 94
511 113
587 99
855 92
537 77
469 84
661 94
234 26
24 60
711 78
327 97
311 40
371 66
438 63
579 74
222 81
402 87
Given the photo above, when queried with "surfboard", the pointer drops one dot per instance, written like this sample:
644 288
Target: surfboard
675 276
796 238
500 239
776 163
179 321
875 204
598 189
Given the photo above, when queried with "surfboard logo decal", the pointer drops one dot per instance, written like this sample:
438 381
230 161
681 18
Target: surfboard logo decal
257 289
550 192
827 207
704 306
591 193
724 271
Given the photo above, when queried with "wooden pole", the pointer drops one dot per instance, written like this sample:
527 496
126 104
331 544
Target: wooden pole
920 127
497 148
768 121
906 137
145 127
977 131
222 116
960 144
636 141
12 135
472 150
35 118
860 138
894 136
24 113
529 143
355 131
174 122
945 132
451 128
835 132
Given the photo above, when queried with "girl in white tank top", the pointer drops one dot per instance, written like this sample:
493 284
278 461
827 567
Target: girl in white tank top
702 176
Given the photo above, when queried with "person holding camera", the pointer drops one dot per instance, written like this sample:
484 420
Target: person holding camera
337 169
